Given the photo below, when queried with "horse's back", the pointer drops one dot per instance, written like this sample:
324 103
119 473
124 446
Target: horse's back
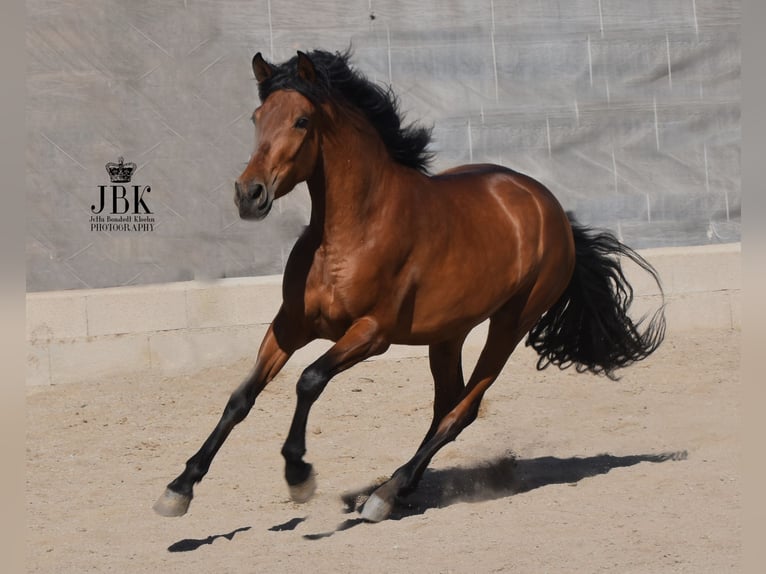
524 209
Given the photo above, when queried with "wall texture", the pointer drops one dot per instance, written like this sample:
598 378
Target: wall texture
629 111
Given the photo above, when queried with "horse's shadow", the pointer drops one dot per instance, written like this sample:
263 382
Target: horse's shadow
189 544
500 478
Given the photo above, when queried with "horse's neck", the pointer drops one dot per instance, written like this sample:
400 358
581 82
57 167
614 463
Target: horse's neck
347 186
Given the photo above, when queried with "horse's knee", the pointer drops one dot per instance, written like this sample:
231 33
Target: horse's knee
311 384
239 406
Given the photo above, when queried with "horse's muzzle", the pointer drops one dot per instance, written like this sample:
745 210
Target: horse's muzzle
252 199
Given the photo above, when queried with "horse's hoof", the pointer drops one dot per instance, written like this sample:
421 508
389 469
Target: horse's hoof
305 490
172 504
376 509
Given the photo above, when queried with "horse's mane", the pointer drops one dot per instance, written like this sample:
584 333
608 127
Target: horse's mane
337 81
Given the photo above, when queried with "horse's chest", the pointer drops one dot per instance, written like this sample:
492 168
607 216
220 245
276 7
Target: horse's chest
335 296
327 315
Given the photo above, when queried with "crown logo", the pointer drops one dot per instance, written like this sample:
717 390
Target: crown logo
120 172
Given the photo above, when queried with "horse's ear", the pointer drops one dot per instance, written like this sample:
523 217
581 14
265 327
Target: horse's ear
306 69
261 68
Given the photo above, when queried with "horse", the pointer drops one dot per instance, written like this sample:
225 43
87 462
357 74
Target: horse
394 254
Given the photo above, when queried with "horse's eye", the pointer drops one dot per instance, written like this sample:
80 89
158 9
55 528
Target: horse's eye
302 123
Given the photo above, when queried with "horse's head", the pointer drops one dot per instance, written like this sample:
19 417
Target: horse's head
287 138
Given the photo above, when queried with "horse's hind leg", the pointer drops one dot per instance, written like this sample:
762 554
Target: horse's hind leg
446 366
504 335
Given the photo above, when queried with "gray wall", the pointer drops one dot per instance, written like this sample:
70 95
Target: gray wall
629 111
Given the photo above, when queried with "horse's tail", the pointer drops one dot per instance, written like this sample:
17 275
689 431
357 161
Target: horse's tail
589 326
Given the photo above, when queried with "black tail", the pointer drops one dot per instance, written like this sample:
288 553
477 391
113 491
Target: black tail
589 326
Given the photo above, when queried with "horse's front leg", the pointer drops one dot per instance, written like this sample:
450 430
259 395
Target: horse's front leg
277 347
362 340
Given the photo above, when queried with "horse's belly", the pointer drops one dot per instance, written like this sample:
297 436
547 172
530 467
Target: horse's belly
446 312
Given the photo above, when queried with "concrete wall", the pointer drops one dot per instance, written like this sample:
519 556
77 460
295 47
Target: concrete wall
181 328
628 110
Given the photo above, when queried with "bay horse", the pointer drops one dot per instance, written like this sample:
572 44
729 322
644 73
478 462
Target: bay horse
394 254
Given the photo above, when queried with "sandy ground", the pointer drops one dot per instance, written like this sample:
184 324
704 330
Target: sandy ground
561 472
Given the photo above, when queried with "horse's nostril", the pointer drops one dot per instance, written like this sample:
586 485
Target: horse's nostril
254 191
248 191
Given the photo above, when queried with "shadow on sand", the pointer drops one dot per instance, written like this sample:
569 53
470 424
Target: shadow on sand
189 544
499 478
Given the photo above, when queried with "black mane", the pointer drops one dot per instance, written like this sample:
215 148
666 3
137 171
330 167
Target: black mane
336 80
